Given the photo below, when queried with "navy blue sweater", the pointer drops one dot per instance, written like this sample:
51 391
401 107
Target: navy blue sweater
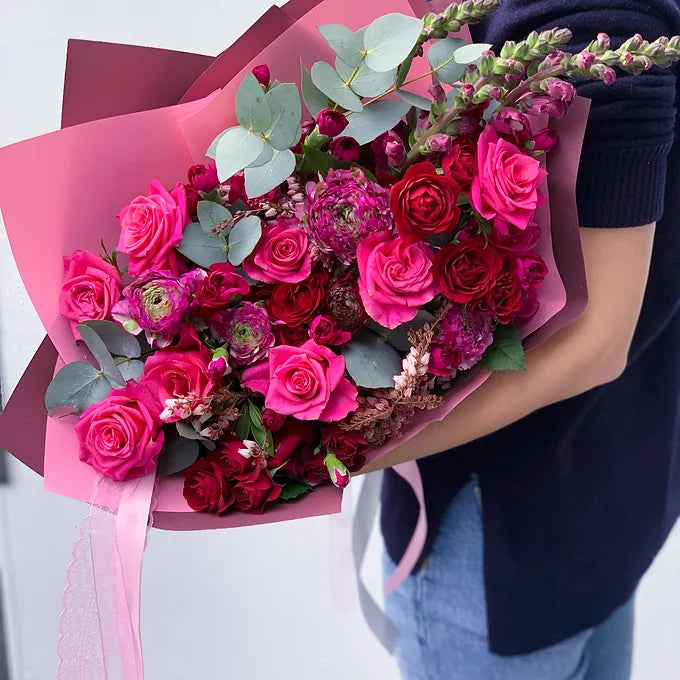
579 496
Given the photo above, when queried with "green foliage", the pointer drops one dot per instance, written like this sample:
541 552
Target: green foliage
327 79
375 119
236 149
102 355
415 100
179 453
344 42
77 386
506 353
211 214
389 40
441 56
202 248
260 180
252 108
370 360
293 490
116 339
286 108
243 238
364 81
315 99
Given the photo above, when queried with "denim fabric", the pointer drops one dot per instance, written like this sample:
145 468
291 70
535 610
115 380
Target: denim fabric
441 616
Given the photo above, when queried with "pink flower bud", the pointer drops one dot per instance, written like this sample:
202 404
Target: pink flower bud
345 148
439 143
337 470
561 90
584 59
437 93
545 139
262 74
219 365
331 123
389 148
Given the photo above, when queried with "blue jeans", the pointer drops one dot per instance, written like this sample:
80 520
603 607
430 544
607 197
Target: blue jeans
440 613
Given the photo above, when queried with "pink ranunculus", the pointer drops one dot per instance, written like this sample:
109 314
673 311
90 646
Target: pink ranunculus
151 226
180 380
506 186
395 278
122 436
281 255
91 287
306 382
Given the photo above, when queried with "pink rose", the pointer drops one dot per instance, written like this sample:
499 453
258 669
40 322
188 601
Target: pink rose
91 287
151 226
121 436
181 380
395 278
281 255
306 382
506 186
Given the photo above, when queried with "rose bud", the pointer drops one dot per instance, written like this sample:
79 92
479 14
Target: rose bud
219 364
272 421
325 331
203 177
262 74
337 470
331 123
345 148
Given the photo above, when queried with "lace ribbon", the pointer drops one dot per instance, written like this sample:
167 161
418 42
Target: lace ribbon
99 627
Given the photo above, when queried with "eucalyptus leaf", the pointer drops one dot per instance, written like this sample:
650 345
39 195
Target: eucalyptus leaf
236 149
398 337
315 100
366 82
212 149
376 119
293 490
252 108
211 214
344 42
117 340
101 354
506 353
441 58
468 54
186 431
326 78
415 100
77 385
264 157
493 106
131 369
201 248
264 178
243 238
389 40
179 454
286 107
370 360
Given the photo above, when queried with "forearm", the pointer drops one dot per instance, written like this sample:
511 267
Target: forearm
589 352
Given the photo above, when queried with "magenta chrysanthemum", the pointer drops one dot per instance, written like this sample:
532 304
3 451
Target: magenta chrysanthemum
248 332
345 208
461 340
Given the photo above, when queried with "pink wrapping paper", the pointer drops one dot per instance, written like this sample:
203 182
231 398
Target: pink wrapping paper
72 478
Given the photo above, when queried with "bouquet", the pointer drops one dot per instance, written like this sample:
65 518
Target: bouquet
333 271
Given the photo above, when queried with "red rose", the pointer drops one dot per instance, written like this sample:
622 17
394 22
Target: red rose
466 271
206 487
290 335
203 177
231 461
504 297
461 164
347 446
218 288
424 202
296 303
294 445
254 490
531 270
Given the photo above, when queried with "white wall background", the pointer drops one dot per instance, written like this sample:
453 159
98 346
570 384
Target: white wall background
253 603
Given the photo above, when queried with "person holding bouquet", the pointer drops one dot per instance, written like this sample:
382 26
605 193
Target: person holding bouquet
554 488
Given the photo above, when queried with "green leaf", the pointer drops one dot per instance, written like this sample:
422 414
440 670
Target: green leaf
441 58
186 431
211 214
201 248
101 354
315 100
370 360
286 107
390 39
77 385
243 238
344 42
242 427
178 455
366 82
506 353
236 149
293 490
252 108
264 157
131 369
256 426
321 161
406 65
415 100
376 119
263 179
212 149
468 54
326 78
117 340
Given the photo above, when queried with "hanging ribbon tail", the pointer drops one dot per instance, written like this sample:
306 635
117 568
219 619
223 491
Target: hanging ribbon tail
100 636
410 473
367 506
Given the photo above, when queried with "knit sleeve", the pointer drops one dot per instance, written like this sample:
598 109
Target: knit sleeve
622 173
